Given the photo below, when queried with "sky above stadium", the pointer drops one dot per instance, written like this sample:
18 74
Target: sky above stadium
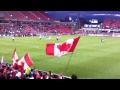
100 15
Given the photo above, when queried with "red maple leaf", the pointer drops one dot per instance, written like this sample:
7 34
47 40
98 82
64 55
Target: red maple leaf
63 47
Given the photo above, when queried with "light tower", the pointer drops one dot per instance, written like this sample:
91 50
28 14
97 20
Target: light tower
77 26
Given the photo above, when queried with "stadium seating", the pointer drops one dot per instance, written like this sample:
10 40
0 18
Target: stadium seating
17 15
30 15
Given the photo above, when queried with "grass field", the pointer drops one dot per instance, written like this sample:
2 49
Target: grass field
91 58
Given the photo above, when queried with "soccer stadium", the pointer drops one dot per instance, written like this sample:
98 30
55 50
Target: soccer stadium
59 45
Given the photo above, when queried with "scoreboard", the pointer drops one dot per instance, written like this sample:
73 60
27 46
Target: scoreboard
93 21
91 25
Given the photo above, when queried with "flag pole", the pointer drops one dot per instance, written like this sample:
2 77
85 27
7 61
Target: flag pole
70 57
68 62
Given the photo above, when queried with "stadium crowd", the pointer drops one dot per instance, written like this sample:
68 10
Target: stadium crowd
8 71
20 28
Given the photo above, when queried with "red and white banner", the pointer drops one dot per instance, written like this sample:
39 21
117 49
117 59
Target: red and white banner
26 61
14 56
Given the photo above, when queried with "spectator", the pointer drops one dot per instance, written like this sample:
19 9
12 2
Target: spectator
73 76
8 76
2 77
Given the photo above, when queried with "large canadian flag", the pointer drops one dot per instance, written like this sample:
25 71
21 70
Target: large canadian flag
26 61
14 56
61 49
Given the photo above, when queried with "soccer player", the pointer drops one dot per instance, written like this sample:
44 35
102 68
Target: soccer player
57 38
13 38
40 37
47 37
102 39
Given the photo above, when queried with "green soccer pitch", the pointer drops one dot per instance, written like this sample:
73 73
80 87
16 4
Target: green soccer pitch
91 58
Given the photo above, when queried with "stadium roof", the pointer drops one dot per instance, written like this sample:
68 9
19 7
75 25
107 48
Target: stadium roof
100 15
